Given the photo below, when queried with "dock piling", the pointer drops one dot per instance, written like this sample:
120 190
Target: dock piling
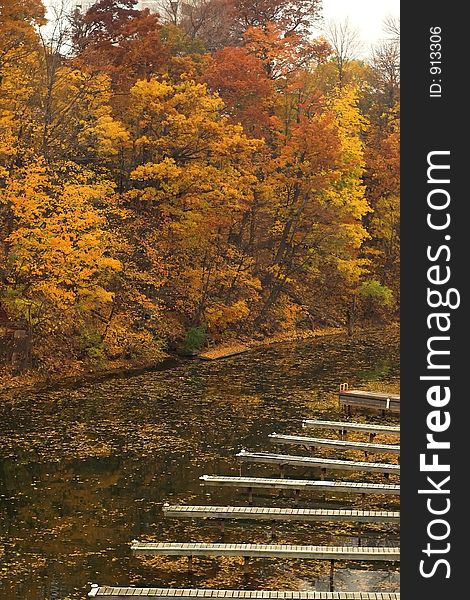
273 530
332 575
246 565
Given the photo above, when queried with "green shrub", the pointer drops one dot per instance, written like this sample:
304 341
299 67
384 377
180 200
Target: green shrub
376 292
92 346
195 338
377 301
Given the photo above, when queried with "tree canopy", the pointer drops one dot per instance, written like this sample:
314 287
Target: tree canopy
218 169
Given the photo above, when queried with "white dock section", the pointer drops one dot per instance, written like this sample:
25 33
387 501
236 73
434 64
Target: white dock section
362 553
264 513
313 442
348 426
283 460
270 483
111 593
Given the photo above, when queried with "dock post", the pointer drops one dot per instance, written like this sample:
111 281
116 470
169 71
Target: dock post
273 530
296 497
240 469
322 478
282 475
332 574
221 524
359 540
246 565
250 496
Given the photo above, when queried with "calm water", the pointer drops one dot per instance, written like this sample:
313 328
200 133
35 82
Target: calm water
85 471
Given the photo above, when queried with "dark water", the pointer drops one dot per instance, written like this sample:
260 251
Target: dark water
85 471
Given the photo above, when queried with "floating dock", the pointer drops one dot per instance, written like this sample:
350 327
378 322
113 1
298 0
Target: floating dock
298 485
283 460
344 426
311 442
256 513
363 553
111 593
382 401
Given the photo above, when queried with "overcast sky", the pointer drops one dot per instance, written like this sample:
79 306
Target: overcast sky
366 16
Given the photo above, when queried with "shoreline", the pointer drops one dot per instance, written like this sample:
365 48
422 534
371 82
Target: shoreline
220 351
33 382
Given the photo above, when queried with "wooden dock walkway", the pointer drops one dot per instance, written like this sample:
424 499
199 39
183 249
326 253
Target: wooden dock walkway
111 593
279 514
313 442
223 352
343 426
372 400
363 553
283 460
271 483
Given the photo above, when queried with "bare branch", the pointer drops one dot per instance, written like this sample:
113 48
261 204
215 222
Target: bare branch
346 44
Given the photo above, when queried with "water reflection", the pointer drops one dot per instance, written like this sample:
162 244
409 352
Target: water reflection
84 471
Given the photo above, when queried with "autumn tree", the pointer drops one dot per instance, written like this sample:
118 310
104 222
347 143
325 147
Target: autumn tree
391 27
18 28
222 23
383 160
304 229
115 37
208 21
383 179
346 45
282 54
386 73
240 79
291 17
19 76
316 224
76 121
193 181
57 269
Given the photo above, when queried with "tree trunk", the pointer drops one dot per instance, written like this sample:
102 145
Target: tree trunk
351 314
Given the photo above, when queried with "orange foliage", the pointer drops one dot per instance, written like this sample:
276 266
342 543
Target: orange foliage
116 38
240 79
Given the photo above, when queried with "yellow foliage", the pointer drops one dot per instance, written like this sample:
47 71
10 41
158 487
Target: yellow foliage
57 253
221 316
